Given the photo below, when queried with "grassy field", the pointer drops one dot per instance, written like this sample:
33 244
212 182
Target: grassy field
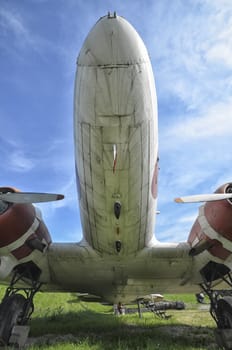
60 321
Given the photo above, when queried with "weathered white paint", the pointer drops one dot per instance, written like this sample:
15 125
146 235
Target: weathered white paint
115 108
165 268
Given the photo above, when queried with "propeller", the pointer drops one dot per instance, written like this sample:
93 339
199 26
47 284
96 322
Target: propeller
29 197
204 198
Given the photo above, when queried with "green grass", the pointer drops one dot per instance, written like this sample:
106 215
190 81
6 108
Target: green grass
60 321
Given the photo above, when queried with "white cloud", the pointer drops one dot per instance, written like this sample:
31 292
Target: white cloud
12 22
221 54
216 122
19 162
176 230
188 219
15 28
12 25
191 50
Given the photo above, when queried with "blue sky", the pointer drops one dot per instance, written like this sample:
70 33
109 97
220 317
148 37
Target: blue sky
190 46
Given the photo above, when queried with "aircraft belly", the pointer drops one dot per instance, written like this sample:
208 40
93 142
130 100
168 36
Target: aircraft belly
116 154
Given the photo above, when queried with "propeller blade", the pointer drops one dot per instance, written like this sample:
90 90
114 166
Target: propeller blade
29 197
204 198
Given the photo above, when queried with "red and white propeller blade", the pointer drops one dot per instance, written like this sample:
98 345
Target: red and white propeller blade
29 197
204 198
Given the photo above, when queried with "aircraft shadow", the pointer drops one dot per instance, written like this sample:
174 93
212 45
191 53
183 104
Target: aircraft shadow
110 331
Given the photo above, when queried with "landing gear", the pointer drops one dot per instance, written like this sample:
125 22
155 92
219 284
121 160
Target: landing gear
224 311
220 302
17 305
223 334
11 314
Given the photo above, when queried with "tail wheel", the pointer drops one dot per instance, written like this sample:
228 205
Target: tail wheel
11 313
224 312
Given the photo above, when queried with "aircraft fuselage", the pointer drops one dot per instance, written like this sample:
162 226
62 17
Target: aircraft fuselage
116 139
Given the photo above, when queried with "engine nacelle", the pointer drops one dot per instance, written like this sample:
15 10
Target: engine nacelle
22 231
211 234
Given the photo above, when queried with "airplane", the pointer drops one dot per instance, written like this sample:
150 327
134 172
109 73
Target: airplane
118 260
